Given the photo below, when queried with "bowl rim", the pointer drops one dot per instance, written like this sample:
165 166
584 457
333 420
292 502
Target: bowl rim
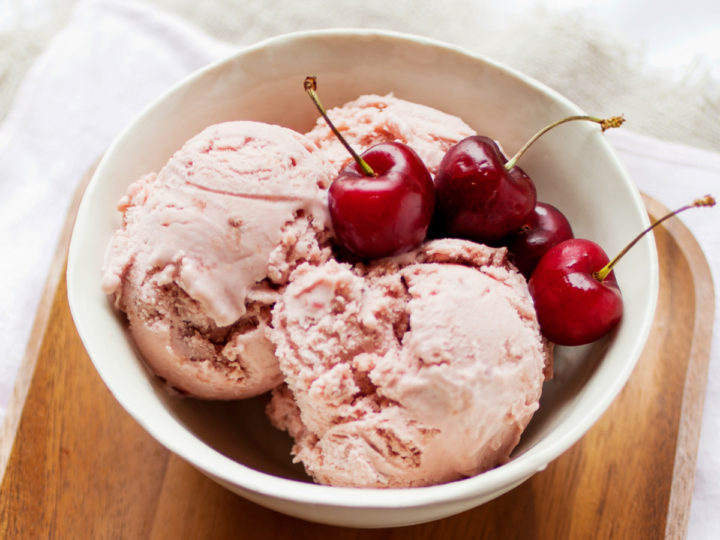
217 465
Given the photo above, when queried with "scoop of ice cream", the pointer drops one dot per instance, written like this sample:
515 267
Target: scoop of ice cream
373 119
415 370
204 248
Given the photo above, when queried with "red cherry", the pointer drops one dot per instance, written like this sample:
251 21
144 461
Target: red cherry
545 227
576 296
382 203
483 196
385 214
477 198
574 307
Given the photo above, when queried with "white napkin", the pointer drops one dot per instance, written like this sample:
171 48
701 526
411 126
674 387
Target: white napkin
110 62
112 59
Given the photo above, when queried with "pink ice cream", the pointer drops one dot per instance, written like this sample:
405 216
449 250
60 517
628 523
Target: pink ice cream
409 371
372 119
415 370
206 247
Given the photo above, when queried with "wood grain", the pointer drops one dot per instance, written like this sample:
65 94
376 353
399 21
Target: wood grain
42 316
80 467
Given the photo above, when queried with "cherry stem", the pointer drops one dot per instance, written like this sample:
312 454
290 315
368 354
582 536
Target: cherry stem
605 123
310 86
601 274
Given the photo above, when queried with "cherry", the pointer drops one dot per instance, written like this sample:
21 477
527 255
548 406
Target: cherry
481 195
576 295
385 214
382 203
477 198
545 227
574 307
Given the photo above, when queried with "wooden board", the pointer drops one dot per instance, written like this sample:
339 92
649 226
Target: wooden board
80 467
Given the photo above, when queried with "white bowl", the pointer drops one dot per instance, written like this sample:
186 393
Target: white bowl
573 167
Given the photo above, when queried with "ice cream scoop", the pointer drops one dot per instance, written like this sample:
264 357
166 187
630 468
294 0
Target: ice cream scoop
411 371
205 246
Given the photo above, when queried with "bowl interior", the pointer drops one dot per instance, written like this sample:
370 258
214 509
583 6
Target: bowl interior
573 168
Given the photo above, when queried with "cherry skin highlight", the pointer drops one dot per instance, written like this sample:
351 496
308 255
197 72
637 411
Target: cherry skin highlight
545 227
477 197
573 306
387 213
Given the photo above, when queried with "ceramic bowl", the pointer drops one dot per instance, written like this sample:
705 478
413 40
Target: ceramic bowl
573 168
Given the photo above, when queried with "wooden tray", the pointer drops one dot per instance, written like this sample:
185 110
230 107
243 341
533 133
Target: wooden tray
80 467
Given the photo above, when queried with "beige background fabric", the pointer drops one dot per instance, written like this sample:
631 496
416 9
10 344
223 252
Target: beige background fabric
596 66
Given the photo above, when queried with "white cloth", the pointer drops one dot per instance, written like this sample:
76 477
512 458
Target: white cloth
116 56
112 59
